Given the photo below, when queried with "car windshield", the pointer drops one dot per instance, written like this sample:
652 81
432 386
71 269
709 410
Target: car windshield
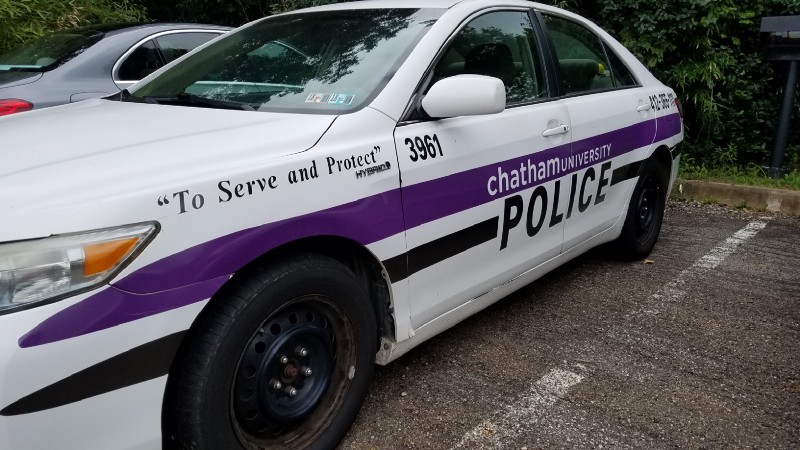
323 62
50 51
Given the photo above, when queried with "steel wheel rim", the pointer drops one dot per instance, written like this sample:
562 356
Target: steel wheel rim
647 205
309 332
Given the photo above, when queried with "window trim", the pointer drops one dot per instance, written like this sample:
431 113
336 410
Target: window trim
134 47
414 106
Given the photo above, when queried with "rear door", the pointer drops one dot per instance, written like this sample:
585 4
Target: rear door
479 192
613 126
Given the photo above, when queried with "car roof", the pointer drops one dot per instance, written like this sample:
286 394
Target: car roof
369 4
378 4
111 29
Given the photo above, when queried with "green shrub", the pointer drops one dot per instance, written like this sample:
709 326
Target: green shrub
21 20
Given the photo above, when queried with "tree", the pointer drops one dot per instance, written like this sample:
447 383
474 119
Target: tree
21 20
710 52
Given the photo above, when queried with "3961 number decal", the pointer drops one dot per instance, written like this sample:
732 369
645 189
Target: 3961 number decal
424 147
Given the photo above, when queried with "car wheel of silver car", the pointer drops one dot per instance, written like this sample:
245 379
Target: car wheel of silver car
282 358
645 213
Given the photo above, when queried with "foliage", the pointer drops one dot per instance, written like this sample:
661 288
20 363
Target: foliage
711 53
708 50
21 20
752 174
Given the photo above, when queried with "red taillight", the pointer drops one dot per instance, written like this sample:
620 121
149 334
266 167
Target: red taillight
679 106
13 105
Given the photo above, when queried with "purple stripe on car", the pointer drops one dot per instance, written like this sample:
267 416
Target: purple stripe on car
379 216
668 126
428 201
111 307
189 275
196 273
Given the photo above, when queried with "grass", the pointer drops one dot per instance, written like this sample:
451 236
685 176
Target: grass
752 175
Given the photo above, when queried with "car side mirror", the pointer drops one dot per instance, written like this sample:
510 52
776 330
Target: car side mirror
465 95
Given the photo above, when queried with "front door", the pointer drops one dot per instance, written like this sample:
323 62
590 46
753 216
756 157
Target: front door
481 194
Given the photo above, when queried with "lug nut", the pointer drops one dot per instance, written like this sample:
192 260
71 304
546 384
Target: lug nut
290 391
306 371
301 351
284 360
275 384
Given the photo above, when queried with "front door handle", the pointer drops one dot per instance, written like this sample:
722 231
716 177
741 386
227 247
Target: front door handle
642 108
561 129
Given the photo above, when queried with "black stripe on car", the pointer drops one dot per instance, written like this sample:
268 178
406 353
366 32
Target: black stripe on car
139 364
404 265
625 172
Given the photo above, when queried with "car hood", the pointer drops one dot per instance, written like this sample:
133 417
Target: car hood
58 158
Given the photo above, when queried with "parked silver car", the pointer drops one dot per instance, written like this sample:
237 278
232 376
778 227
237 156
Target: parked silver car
73 65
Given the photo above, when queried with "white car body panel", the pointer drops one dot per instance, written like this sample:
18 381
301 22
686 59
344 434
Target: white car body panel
100 164
473 149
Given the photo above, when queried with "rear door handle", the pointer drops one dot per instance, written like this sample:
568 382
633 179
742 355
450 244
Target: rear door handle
642 108
561 129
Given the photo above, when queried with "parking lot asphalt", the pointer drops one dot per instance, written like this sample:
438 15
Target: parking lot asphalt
698 346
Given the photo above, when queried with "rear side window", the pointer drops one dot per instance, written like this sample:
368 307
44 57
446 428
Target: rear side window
586 64
173 46
49 51
501 45
622 75
141 62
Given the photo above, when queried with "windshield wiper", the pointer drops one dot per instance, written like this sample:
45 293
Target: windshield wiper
196 100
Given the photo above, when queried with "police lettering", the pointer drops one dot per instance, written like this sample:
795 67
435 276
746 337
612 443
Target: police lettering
538 203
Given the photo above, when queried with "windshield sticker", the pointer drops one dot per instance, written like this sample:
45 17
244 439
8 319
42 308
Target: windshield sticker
330 99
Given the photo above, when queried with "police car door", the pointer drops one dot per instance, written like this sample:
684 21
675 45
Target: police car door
612 123
479 192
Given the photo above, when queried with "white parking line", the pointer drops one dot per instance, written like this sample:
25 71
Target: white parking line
517 417
673 291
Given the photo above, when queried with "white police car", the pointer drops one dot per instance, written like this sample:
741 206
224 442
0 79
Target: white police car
217 258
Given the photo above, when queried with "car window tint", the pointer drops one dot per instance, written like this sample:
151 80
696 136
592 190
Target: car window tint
325 62
622 75
141 62
581 55
49 51
173 46
501 45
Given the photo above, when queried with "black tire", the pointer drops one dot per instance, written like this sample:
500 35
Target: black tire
645 214
269 325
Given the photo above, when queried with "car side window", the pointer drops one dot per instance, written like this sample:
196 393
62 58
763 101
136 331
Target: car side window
499 44
141 62
173 46
583 58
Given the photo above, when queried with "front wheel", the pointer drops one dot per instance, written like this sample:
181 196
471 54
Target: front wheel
645 214
281 359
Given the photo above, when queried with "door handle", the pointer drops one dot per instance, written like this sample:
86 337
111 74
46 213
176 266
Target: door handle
561 129
642 108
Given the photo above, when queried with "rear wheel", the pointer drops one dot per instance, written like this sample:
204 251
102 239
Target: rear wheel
645 213
282 359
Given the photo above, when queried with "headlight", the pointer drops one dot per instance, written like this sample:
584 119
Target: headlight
41 270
